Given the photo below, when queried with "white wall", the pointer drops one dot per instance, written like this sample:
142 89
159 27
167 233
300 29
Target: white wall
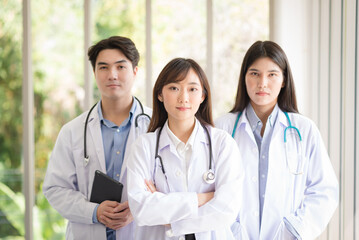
321 40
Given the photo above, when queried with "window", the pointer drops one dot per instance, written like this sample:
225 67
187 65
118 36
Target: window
178 29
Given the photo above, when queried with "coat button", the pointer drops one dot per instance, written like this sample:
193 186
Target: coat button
169 233
178 173
256 213
181 238
254 179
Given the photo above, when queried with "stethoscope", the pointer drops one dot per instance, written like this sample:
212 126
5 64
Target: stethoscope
86 157
208 176
297 170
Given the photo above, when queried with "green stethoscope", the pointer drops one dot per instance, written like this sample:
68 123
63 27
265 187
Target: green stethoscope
299 169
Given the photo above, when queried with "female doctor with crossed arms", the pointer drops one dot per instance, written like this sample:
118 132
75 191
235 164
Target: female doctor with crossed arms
290 189
184 175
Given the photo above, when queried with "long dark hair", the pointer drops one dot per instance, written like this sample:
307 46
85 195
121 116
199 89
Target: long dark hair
175 71
286 99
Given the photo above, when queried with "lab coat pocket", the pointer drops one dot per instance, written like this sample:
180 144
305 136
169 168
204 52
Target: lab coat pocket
239 232
82 172
80 231
283 233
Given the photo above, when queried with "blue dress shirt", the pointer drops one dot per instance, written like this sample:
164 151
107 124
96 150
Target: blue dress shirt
114 140
263 148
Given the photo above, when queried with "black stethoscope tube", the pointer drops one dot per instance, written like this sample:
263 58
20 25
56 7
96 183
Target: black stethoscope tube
88 116
206 174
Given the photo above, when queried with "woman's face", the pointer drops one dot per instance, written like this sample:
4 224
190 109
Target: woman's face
182 99
264 80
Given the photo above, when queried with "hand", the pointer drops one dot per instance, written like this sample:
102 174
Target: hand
114 215
150 186
203 198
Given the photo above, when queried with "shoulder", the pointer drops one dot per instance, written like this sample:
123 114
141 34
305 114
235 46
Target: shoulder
75 124
305 125
147 110
301 120
220 136
146 140
226 121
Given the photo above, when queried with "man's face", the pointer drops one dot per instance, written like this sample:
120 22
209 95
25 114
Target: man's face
114 74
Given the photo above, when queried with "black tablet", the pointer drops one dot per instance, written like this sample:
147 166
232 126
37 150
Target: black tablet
105 188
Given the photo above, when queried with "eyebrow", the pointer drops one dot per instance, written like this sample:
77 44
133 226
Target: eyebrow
190 83
194 83
256 70
104 63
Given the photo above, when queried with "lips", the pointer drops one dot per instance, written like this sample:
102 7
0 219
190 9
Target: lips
113 85
183 108
262 93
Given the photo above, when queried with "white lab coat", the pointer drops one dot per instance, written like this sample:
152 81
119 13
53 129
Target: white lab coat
68 180
307 201
179 205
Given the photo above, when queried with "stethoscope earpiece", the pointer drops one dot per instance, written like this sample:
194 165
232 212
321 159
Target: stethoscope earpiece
209 176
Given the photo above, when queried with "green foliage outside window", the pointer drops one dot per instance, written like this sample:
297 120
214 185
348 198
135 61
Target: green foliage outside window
58 62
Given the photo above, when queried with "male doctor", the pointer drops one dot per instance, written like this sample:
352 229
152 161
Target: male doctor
112 126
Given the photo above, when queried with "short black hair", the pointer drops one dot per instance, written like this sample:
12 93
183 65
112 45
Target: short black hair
125 45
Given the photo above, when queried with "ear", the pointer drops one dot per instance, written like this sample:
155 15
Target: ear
135 70
160 97
283 83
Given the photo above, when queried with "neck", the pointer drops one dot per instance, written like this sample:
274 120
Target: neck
182 129
116 110
262 112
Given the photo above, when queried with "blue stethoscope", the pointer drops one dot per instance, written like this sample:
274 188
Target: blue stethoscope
297 170
208 176
86 157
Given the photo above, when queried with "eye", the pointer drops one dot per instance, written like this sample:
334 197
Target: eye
102 67
272 74
121 67
193 89
254 73
173 88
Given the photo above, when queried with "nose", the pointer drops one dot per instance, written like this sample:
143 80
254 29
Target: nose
183 96
113 75
262 82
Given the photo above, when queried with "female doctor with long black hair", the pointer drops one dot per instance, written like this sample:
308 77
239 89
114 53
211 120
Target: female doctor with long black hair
291 190
184 175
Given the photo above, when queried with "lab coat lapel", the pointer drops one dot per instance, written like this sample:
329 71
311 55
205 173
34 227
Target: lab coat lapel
199 160
94 127
280 125
165 141
247 127
132 135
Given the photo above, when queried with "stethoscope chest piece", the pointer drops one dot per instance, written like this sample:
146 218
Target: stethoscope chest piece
209 176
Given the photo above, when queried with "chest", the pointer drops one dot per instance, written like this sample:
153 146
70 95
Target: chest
181 174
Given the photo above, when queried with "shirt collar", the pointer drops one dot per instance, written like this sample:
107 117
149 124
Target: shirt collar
175 139
254 120
132 112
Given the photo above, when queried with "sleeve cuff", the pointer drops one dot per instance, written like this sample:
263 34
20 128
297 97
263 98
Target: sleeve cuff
94 215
